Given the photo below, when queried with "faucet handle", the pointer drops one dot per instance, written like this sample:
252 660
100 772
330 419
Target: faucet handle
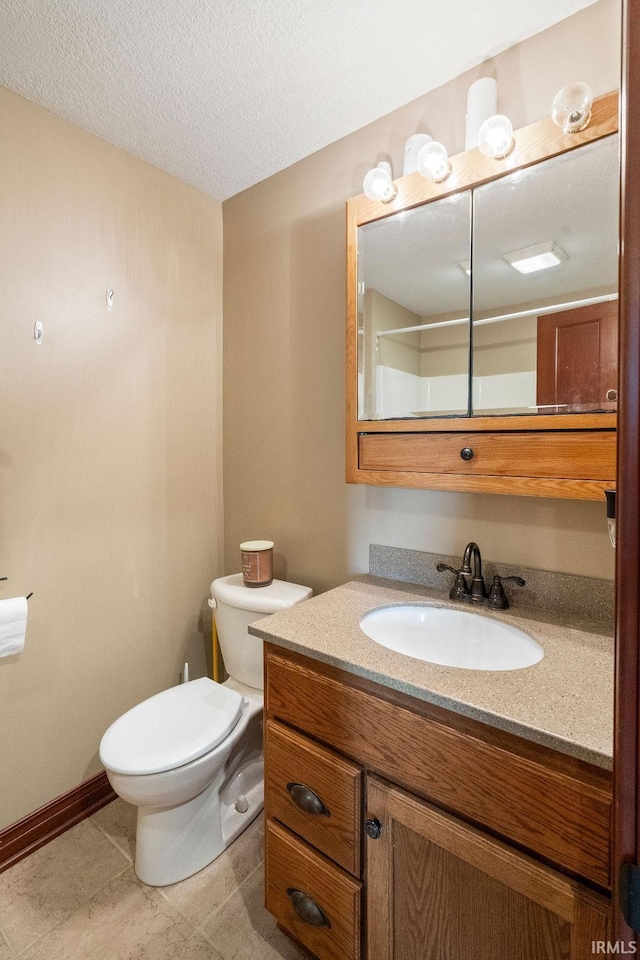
460 588
497 596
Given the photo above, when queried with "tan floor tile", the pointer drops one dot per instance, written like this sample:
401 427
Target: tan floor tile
243 930
195 948
118 820
6 953
124 920
201 895
44 888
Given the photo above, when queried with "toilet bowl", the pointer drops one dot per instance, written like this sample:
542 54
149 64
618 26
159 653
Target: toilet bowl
190 758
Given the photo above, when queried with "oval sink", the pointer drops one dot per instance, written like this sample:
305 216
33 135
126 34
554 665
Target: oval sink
452 638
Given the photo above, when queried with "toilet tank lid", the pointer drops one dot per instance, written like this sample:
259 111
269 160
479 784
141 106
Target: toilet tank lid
277 596
172 728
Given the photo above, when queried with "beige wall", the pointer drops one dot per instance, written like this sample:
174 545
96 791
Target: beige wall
110 477
284 303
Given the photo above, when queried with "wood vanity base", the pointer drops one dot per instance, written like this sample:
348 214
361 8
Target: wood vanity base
520 826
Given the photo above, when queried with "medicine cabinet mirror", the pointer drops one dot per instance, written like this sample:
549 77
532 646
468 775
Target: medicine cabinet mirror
545 340
489 304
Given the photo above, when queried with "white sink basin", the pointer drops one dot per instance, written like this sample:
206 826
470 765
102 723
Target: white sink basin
453 638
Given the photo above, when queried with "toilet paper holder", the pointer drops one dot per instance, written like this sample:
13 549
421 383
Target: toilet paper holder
28 596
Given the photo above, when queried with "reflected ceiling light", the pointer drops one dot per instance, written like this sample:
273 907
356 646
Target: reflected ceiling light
571 107
433 162
466 266
540 257
378 184
495 137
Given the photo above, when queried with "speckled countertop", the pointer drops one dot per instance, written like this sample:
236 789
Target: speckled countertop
564 702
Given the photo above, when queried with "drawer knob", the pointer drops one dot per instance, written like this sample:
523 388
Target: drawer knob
373 828
306 799
466 453
307 909
612 394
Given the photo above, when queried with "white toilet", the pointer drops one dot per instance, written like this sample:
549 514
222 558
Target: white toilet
190 758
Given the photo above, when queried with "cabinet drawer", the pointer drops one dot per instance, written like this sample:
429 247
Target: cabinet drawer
483 774
295 871
578 455
337 783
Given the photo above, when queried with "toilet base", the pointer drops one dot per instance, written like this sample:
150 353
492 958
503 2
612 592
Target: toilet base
170 849
173 843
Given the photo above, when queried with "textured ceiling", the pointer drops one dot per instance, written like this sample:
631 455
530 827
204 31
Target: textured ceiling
224 93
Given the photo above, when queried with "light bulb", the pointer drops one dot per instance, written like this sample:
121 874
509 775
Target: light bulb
571 107
433 162
412 148
495 137
378 184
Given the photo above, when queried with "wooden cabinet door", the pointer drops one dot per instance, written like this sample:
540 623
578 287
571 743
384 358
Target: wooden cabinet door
438 889
578 359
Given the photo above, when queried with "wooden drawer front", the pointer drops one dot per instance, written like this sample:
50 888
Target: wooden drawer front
579 455
291 865
562 817
292 758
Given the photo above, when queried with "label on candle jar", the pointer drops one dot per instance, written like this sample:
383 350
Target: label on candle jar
257 563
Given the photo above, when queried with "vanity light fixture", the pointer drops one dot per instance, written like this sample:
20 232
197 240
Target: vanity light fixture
495 137
532 259
412 148
433 162
378 184
571 107
482 103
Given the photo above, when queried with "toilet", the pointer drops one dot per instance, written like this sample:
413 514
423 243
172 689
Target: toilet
190 758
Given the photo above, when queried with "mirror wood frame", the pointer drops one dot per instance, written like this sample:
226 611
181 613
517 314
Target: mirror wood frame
403 445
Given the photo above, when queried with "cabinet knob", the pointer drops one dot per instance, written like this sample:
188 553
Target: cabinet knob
307 909
307 800
612 394
466 453
373 828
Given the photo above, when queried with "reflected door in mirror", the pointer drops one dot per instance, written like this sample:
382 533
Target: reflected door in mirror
577 360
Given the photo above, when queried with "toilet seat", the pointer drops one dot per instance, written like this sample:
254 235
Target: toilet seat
172 728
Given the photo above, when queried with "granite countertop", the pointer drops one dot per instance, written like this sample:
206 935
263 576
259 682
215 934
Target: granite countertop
564 702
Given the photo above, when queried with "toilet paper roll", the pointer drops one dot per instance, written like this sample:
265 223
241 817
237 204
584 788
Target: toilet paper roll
13 625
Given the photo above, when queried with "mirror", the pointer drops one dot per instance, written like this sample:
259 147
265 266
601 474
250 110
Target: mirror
538 342
545 283
413 312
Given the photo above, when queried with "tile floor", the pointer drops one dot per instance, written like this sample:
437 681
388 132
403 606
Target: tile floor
78 898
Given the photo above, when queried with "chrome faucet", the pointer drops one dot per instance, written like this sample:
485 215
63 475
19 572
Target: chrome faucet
476 591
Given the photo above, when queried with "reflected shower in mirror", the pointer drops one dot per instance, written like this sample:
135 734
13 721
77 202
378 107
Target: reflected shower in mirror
545 282
413 312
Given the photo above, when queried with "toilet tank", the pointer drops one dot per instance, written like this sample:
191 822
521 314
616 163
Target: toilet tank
236 606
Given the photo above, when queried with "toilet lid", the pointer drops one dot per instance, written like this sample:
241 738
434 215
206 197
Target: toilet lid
171 729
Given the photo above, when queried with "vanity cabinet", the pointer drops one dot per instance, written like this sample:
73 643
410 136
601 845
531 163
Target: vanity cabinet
397 829
437 887
464 371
